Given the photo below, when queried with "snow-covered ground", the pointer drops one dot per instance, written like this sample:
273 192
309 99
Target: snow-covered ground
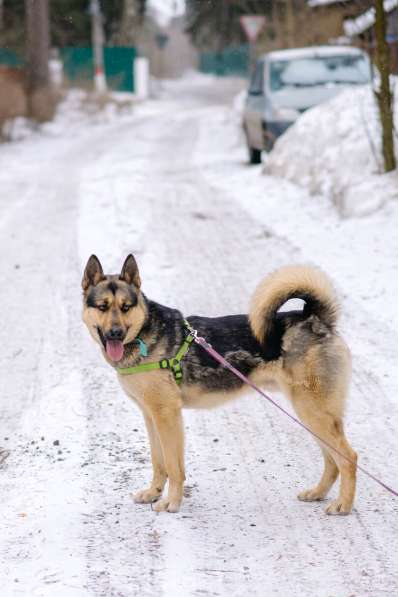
168 181
335 149
78 109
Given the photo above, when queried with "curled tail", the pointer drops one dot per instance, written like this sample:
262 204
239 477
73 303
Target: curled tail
304 282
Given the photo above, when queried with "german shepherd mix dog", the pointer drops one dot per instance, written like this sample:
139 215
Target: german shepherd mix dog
298 352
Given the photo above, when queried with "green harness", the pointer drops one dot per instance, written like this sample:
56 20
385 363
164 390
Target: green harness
173 364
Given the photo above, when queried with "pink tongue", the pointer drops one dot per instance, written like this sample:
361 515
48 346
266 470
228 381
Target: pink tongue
114 350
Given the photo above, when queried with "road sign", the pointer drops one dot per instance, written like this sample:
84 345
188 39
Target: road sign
252 25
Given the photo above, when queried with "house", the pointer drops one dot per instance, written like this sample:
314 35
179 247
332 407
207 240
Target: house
360 30
300 23
329 16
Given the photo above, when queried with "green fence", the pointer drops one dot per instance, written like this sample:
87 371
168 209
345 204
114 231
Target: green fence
118 62
9 58
231 61
79 68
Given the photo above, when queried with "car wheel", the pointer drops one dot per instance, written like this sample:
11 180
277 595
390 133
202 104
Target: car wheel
254 155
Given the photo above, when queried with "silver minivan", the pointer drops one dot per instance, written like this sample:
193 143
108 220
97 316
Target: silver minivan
285 83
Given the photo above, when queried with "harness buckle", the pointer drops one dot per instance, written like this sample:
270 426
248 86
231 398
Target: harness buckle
176 370
164 364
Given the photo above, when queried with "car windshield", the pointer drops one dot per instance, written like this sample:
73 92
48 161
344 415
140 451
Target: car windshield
320 70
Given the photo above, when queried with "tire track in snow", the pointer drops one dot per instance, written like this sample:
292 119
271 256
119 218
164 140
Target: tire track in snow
42 493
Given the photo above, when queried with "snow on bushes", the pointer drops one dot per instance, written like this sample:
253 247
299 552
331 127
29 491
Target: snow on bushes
335 149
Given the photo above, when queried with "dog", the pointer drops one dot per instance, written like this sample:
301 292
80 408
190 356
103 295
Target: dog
298 352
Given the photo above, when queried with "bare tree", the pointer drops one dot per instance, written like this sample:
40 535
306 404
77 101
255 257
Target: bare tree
383 94
132 18
40 96
38 39
290 24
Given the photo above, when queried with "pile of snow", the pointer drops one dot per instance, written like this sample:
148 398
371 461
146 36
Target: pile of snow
335 149
77 108
240 102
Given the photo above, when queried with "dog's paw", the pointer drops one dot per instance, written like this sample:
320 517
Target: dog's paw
165 505
338 507
311 495
146 496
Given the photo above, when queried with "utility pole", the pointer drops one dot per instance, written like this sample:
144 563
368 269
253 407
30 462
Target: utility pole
223 17
97 33
384 95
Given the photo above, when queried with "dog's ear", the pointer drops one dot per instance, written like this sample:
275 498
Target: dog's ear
93 273
130 272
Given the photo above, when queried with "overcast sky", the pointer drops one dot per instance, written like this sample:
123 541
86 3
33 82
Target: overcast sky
167 8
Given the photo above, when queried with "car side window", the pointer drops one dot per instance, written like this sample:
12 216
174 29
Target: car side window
257 80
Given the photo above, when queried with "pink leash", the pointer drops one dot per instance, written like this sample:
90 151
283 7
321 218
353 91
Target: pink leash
202 342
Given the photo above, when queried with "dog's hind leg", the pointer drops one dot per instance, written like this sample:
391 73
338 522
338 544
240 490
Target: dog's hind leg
348 472
159 478
329 476
169 426
316 411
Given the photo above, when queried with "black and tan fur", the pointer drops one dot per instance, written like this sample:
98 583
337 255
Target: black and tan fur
297 352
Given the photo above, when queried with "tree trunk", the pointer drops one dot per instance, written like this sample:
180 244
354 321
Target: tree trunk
1 15
40 95
290 24
278 20
384 95
38 38
131 22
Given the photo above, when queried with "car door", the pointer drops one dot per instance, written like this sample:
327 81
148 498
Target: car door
255 108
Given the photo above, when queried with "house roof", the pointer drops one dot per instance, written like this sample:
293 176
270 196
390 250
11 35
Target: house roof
316 3
366 20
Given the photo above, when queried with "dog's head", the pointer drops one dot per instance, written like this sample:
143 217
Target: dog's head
114 308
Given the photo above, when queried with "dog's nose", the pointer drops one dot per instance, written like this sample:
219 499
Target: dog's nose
115 333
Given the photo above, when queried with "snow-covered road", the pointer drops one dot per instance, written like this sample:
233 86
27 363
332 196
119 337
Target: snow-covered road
169 183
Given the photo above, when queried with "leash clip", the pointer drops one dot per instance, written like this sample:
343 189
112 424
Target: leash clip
192 331
194 334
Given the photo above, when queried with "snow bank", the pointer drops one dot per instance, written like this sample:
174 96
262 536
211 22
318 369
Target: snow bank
240 101
77 108
335 149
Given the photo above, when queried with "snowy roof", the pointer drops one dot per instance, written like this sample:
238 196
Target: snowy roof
311 51
315 3
366 20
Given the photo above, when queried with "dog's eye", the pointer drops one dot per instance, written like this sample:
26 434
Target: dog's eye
102 307
124 308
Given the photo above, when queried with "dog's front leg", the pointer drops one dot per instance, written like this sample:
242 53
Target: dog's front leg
153 493
168 423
